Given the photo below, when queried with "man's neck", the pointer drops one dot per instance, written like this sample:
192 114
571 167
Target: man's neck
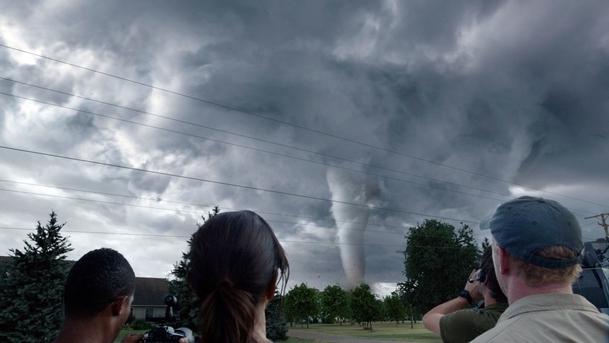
519 289
84 331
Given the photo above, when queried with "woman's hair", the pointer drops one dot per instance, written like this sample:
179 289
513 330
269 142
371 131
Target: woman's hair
234 258
488 268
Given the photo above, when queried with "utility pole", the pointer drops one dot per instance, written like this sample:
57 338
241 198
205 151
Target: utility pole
604 217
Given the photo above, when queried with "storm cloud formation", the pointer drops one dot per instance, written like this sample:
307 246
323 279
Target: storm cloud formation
132 119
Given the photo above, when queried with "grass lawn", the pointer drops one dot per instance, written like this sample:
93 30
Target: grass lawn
290 340
382 331
126 332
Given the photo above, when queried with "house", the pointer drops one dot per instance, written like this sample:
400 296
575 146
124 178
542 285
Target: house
149 298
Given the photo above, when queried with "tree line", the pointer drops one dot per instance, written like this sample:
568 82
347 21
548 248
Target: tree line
437 258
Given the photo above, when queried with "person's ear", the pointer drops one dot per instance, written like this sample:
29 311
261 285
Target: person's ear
119 305
270 289
503 260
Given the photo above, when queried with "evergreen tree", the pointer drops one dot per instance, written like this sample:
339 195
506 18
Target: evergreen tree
31 297
276 328
180 288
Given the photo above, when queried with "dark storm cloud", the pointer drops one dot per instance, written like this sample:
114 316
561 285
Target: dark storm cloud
444 106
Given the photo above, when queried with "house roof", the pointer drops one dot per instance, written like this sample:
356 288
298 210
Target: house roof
5 259
150 291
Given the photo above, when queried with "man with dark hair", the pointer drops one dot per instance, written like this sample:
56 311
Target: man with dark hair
455 320
537 244
98 295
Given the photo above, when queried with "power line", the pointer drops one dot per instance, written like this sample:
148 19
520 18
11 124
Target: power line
271 152
189 211
183 203
262 150
289 124
281 240
229 184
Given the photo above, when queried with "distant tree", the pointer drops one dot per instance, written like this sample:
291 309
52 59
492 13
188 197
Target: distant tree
437 259
276 328
406 291
301 303
394 307
485 243
363 304
334 303
31 297
180 288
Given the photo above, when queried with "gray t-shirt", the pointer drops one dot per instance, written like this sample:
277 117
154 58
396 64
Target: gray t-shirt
550 318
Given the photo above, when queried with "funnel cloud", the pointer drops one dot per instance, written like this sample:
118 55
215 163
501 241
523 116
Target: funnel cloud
351 220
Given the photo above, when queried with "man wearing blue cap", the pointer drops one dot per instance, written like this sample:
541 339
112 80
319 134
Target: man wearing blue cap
537 245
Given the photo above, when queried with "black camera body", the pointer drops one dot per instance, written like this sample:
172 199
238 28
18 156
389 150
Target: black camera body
164 333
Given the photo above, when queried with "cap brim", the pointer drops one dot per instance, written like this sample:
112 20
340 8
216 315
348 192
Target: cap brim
485 223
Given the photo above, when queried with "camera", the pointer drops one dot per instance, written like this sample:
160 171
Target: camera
164 333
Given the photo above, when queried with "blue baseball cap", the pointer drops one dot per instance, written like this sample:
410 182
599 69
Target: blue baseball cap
526 225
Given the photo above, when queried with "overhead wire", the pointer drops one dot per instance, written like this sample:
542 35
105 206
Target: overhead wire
265 141
372 207
284 155
281 240
290 124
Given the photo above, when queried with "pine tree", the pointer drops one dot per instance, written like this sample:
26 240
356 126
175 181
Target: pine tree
179 287
31 299
276 328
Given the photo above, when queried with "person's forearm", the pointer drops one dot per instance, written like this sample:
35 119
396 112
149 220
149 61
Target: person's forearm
431 320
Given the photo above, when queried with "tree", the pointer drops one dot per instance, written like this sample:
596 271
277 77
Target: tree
301 303
334 304
276 328
394 308
31 298
485 243
437 259
180 288
363 304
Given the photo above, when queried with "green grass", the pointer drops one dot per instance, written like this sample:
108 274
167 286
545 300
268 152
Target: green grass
126 332
382 331
290 340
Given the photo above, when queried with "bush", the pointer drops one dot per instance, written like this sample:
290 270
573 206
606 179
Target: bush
142 324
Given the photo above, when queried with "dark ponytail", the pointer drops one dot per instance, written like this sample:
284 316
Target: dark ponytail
235 258
227 316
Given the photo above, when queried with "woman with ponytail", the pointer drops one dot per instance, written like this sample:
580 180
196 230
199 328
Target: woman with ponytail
236 263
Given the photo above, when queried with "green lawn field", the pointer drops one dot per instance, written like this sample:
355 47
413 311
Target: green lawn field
386 331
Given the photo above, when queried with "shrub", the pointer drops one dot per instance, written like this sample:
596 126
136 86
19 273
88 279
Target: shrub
142 324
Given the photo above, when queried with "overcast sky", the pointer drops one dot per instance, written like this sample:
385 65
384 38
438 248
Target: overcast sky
343 123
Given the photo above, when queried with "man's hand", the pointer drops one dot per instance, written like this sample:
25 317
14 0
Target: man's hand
473 287
138 337
133 338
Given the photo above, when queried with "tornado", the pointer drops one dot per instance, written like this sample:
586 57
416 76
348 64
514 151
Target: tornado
351 220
